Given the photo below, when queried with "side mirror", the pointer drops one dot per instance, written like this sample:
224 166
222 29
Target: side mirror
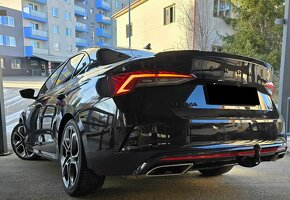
27 93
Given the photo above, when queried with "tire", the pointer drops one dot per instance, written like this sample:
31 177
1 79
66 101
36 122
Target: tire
19 138
77 179
216 171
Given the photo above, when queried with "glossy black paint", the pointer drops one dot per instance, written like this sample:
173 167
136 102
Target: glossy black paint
122 133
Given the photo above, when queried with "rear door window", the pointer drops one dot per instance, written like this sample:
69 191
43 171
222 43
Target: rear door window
84 62
48 85
69 69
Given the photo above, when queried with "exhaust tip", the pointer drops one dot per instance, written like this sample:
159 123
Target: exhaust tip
169 170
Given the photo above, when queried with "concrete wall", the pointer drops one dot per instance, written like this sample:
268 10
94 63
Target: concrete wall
16 32
12 4
62 23
148 25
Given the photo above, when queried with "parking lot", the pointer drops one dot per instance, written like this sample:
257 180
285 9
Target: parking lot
41 179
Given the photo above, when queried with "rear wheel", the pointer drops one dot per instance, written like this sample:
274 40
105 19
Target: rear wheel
77 179
19 139
216 171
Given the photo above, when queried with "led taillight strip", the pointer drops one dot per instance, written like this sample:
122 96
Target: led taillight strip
133 78
224 155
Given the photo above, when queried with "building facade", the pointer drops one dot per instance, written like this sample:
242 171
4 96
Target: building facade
37 35
175 24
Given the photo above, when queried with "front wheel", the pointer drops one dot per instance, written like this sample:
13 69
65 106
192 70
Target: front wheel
19 139
216 171
77 179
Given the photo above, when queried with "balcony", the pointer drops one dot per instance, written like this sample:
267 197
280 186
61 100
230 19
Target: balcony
102 44
103 33
103 19
34 15
81 42
30 51
35 34
81 27
40 1
103 5
80 11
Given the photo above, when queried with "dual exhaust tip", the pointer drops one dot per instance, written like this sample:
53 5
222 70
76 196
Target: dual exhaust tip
170 170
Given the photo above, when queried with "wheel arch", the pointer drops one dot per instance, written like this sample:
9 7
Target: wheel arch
64 120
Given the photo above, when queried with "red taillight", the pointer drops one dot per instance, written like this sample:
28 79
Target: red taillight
125 83
270 88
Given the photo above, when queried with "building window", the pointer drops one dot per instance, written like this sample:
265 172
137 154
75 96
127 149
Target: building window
67 31
1 40
32 6
67 15
117 4
34 25
55 12
67 1
2 63
222 9
10 41
10 21
56 46
55 29
169 14
15 64
35 44
129 30
69 48
7 21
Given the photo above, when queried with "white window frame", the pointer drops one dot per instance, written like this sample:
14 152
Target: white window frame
168 17
2 40
14 64
10 21
55 12
10 44
68 32
67 16
55 29
56 47
222 13
2 63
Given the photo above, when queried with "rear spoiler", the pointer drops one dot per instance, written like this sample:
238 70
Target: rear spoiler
213 55
220 66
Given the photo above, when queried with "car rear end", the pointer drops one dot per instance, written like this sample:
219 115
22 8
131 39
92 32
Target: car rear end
193 110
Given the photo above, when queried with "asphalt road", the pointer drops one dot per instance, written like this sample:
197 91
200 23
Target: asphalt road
41 180
14 104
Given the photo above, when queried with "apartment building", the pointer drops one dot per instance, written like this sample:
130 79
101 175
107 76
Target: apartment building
11 39
41 34
175 24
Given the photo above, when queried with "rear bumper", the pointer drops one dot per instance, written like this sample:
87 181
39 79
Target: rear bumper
201 156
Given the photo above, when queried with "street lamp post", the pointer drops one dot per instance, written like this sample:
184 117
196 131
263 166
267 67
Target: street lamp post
284 91
3 136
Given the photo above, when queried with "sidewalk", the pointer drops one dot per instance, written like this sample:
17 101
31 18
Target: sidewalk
23 82
24 78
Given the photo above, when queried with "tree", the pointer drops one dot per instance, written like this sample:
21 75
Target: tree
201 27
256 34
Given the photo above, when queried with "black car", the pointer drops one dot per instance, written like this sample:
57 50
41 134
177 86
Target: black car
107 112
